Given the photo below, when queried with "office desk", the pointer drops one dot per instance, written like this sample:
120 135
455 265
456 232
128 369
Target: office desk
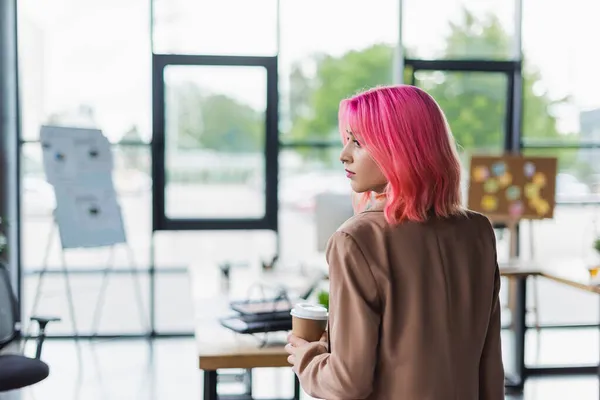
569 272
220 348
518 273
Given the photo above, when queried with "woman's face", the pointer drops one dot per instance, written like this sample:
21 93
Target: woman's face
364 174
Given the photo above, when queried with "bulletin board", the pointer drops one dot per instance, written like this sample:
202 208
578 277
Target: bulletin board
513 186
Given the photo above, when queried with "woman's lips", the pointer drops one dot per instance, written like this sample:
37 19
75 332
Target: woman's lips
349 174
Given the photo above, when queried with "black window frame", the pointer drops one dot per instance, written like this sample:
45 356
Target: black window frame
160 221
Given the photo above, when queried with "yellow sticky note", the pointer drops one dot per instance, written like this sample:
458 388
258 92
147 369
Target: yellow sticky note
491 186
505 179
532 191
542 207
539 179
535 202
489 203
480 173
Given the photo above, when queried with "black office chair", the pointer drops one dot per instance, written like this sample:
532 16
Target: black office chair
17 370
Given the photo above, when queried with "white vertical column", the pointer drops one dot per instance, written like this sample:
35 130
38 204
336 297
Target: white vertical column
9 133
398 69
517 51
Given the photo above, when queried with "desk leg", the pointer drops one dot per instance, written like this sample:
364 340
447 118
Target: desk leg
518 307
296 388
210 385
248 379
520 328
519 314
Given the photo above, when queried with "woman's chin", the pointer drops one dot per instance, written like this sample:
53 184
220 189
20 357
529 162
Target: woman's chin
356 188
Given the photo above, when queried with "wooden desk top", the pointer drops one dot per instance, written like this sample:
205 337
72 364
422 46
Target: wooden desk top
221 348
519 269
570 272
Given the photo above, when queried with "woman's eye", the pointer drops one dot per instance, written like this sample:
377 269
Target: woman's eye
356 142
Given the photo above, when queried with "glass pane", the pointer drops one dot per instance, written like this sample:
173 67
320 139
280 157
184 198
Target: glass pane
553 347
215 140
474 104
569 235
578 176
181 250
75 71
458 29
559 304
306 174
174 308
119 312
317 68
224 27
177 252
131 177
561 100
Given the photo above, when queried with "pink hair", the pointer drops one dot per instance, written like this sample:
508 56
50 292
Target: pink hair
407 135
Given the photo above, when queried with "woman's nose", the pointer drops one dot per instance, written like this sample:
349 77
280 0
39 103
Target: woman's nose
345 156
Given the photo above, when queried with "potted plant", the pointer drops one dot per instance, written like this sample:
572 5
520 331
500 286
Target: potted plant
323 298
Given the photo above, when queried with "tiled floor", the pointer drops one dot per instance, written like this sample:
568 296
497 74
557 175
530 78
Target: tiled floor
166 369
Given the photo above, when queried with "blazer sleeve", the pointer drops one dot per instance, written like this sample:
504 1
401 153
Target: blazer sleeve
491 368
347 370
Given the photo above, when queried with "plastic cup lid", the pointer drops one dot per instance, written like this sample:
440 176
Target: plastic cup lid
309 311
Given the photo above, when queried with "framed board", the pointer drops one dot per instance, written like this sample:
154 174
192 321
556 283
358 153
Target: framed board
513 186
78 163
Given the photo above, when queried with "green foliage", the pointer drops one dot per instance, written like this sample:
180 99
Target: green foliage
323 298
213 121
597 244
335 79
474 103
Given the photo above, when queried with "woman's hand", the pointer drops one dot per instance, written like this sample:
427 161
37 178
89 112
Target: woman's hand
297 345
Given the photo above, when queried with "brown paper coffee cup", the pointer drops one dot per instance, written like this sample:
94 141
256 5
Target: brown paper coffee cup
309 321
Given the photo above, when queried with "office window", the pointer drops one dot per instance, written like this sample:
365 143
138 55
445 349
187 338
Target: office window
214 141
561 101
204 252
318 68
224 27
459 29
570 234
76 71
474 104
87 64
305 173
561 118
41 248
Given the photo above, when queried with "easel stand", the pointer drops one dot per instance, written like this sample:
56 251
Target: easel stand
103 286
78 163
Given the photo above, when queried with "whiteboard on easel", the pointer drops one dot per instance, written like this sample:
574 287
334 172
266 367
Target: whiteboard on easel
75 154
78 163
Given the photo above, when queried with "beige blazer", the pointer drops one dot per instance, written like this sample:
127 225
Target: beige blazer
414 313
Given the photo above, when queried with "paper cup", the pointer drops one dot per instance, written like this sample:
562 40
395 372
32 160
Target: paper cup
309 321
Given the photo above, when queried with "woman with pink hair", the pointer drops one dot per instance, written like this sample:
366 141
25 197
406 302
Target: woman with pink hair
414 311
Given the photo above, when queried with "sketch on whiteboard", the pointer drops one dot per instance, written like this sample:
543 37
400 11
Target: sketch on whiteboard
78 163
